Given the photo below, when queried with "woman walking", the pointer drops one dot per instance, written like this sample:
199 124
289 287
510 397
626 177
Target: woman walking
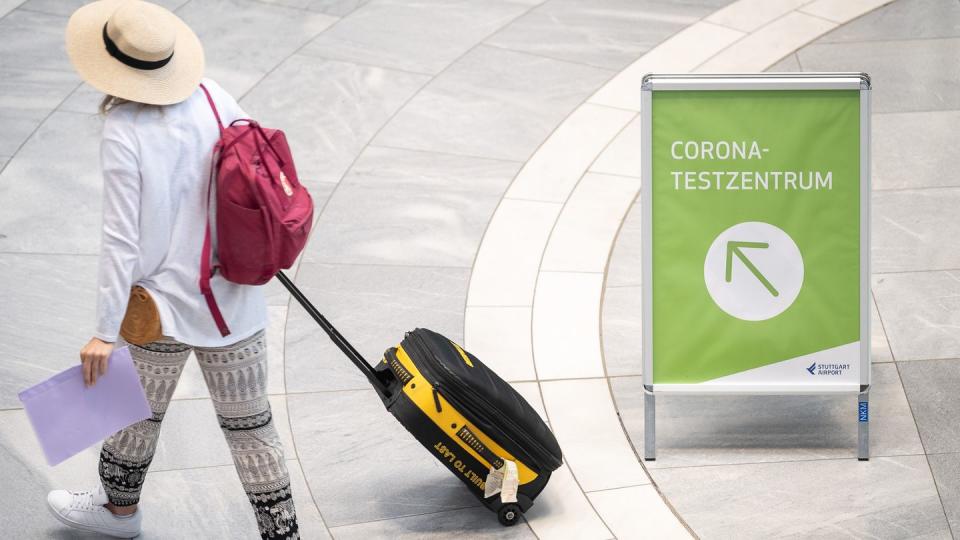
158 135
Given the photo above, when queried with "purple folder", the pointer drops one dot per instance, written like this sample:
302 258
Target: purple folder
69 417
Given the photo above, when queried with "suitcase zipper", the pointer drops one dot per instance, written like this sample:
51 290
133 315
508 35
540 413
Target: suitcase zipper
436 399
487 427
478 408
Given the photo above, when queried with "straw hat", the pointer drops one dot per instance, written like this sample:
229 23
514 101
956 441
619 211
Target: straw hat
135 50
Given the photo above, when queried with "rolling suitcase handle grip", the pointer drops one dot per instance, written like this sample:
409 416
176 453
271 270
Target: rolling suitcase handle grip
378 384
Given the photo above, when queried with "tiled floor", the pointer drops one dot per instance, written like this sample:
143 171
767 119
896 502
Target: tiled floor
474 167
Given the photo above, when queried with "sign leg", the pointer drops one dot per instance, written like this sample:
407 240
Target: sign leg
863 426
649 426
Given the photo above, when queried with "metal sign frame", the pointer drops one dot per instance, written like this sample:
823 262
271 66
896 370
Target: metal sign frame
765 81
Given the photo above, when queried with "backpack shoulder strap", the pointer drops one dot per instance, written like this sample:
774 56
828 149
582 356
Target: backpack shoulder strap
206 272
213 107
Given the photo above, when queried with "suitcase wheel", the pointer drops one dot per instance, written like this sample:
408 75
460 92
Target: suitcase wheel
509 514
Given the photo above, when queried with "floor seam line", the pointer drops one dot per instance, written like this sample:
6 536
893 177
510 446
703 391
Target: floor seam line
330 58
444 153
923 445
555 59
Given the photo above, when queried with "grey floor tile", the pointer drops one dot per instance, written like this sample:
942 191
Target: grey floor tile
328 109
320 193
362 465
274 291
191 384
921 313
372 306
275 343
604 33
67 7
210 503
35 89
68 220
6 6
492 103
789 63
18 124
946 472
903 19
21 456
191 436
890 498
879 345
931 387
711 5
27 479
469 523
915 230
728 430
412 208
33 41
26 98
622 331
424 36
913 150
917 75
626 258
276 294
84 99
244 39
49 305
337 8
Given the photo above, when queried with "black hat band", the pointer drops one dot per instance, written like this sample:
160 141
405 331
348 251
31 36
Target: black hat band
129 60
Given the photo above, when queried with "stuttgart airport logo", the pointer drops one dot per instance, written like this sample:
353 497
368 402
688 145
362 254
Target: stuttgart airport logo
827 369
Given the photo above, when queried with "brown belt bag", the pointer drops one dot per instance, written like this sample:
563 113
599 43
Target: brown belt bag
141 322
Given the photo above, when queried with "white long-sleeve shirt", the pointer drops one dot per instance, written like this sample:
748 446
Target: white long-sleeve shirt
156 166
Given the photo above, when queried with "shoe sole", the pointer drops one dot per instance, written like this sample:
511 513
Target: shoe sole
86 528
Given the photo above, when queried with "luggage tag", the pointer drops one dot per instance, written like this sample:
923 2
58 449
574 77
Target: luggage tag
504 481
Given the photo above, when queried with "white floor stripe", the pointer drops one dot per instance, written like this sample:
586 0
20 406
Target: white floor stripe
841 11
749 15
563 512
582 237
501 337
566 325
585 422
770 43
637 513
621 156
505 271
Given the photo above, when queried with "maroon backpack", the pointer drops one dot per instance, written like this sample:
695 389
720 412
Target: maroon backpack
263 212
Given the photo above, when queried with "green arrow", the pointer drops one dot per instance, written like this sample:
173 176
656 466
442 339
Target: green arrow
733 248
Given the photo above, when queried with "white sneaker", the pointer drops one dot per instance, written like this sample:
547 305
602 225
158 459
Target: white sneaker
84 510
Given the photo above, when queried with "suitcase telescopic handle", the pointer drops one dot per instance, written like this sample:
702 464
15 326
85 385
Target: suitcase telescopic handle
358 360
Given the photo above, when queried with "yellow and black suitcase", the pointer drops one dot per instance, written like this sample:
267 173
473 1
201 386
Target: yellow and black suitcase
469 418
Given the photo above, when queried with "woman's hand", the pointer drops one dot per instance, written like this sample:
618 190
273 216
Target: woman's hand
94 357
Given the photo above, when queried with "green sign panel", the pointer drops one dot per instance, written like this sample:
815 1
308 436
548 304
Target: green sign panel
755 242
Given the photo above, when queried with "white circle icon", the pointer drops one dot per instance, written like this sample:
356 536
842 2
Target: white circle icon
753 271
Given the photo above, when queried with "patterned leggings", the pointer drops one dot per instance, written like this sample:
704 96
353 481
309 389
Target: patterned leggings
236 376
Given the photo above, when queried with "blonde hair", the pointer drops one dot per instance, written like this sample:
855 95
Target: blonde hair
108 102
